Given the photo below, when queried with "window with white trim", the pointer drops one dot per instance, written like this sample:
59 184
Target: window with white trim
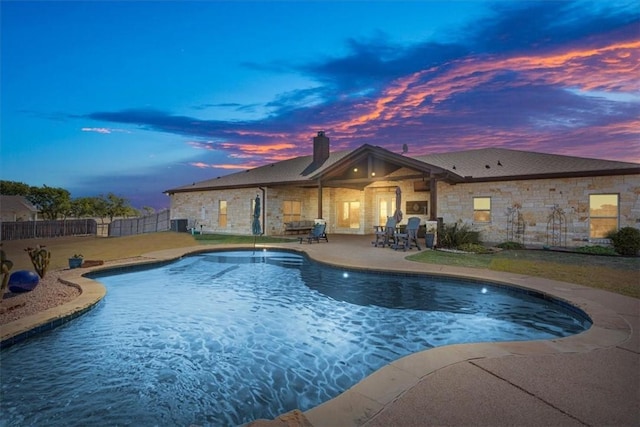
481 209
222 213
603 214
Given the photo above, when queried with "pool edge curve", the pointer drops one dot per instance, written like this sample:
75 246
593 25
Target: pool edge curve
368 397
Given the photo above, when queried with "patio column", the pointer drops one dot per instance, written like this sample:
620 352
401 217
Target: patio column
433 199
319 199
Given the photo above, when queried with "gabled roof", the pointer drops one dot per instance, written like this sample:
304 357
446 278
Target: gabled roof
379 154
16 204
367 163
486 164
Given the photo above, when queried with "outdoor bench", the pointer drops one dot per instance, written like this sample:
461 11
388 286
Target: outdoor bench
298 227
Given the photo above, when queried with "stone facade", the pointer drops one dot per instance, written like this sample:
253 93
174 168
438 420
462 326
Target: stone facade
202 210
535 198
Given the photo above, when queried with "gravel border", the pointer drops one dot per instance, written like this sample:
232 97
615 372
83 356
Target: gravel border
49 293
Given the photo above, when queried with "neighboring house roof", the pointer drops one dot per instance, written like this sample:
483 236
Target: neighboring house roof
487 164
16 204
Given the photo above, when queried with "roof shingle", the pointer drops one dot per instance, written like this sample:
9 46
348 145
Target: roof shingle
480 164
493 163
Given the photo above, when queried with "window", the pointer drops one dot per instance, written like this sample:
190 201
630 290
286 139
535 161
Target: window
222 213
349 215
291 210
482 209
603 214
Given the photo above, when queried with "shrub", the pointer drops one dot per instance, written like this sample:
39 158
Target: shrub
5 266
510 245
597 250
626 241
452 236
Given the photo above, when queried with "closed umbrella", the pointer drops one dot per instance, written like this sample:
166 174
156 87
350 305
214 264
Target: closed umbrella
397 215
255 224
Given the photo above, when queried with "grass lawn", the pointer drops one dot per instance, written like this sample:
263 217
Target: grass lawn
94 248
615 274
112 248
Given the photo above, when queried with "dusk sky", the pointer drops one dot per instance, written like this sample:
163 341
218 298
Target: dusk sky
138 97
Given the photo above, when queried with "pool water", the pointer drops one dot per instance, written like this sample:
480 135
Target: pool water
223 338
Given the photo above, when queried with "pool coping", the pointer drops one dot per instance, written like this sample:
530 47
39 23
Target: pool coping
367 398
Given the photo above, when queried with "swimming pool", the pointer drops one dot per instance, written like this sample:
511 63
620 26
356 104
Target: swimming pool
223 338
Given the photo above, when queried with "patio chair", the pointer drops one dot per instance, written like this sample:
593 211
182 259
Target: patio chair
384 235
409 237
317 233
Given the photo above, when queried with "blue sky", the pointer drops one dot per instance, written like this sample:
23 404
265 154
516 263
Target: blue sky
138 97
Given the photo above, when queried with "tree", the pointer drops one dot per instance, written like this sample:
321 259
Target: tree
132 212
115 206
54 203
148 210
100 208
14 188
50 201
83 207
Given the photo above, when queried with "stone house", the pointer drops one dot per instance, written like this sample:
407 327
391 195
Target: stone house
504 194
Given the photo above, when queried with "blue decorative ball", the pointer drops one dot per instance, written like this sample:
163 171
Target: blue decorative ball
23 281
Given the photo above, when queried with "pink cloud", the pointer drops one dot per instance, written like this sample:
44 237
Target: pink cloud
607 68
228 166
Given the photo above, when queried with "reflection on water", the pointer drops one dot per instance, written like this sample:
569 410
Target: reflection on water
221 339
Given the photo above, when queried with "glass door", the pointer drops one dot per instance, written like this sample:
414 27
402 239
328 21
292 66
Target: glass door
386 204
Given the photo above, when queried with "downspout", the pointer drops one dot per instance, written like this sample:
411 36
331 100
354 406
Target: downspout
433 196
264 209
319 199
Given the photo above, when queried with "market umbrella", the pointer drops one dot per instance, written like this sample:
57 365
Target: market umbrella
255 225
397 215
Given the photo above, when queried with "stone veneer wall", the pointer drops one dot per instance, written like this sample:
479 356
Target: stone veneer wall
536 198
275 199
201 208
455 203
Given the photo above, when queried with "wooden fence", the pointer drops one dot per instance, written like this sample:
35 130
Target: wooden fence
43 229
146 224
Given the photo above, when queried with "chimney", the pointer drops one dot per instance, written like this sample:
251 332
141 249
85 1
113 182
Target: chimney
320 148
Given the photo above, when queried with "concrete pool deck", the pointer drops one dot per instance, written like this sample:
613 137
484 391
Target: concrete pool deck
591 379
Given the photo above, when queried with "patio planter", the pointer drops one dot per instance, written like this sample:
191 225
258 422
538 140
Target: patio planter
429 239
75 262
